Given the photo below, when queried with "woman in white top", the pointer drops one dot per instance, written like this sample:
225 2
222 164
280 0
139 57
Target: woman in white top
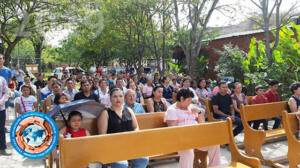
26 102
186 83
102 93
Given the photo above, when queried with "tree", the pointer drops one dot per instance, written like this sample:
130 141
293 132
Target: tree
37 39
132 19
266 14
20 18
191 35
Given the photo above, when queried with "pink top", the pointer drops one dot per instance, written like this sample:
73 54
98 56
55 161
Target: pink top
184 117
147 90
216 90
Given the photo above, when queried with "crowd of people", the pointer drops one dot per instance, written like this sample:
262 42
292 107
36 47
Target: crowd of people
126 94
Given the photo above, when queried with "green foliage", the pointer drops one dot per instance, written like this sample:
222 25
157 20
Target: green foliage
232 62
201 68
252 69
174 67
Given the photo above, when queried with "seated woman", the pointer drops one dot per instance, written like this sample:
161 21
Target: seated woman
203 92
117 119
103 92
147 89
186 83
294 101
181 113
157 103
238 98
167 89
56 89
139 96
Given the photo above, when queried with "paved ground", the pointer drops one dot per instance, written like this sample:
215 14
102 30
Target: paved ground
17 161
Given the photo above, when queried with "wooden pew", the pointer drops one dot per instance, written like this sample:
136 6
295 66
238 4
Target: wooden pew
145 121
79 152
254 139
210 111
174 95
291 126
249 99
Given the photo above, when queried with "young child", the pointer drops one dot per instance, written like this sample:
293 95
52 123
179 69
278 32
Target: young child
74 129
26 102
61 98
259 99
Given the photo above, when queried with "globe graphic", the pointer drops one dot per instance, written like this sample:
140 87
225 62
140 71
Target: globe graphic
34 135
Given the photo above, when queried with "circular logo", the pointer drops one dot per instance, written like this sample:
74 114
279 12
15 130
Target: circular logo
34 135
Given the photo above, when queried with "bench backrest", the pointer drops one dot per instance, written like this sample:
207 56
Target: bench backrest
174 97
209 111
79 152
249 99
145 121
151 120
291 123
291 126
262 111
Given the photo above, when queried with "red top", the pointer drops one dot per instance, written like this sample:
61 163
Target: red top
272 97
11 85
80 133
99 70
259 100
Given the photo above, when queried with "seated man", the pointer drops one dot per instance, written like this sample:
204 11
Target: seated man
273 96
223 107
86 92
130 101
259 99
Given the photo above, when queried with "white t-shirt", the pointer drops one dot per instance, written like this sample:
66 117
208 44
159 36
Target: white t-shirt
93 69
16 73
28 103
32 86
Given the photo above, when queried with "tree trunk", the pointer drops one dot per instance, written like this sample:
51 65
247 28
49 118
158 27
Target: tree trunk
8 51
38 52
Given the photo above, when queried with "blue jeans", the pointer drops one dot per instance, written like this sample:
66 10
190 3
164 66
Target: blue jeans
2 130
237 121
136 163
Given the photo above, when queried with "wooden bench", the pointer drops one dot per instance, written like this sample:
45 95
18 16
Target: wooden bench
291 126
210 111
174 97
79 152
254 139
249 99
145 121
